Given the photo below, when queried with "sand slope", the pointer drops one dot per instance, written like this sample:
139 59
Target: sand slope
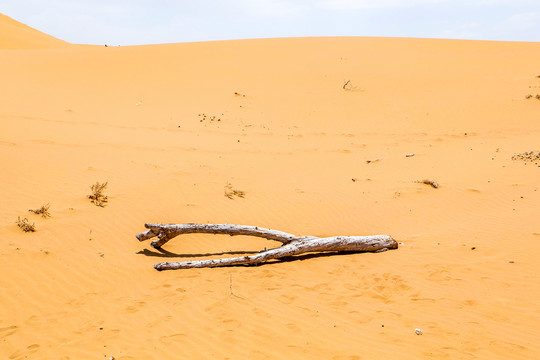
15 35
288 134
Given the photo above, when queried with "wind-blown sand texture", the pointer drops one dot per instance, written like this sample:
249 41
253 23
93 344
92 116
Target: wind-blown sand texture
172 127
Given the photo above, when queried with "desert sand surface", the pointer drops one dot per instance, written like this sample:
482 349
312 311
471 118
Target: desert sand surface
16 35
169 126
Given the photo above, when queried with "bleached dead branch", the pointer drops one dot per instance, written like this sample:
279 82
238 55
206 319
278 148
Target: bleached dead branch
291 244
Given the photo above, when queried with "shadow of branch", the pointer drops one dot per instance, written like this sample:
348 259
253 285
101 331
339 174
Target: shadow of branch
164 253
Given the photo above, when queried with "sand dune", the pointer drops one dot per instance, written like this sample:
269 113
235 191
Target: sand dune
169 126
15 35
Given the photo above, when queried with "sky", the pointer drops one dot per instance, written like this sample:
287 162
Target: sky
135 22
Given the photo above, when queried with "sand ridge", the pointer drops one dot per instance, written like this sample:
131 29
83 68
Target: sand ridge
293 139
16 35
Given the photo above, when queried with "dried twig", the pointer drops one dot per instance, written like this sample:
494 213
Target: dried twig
348 86
231 290
432 183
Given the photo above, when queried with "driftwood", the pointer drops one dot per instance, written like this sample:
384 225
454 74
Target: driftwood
291 244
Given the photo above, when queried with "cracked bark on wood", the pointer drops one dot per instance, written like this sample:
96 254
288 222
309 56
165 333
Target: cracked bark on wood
291 244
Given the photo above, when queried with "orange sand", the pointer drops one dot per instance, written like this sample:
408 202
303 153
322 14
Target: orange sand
82 286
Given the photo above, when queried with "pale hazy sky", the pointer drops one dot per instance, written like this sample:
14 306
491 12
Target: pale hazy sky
129 22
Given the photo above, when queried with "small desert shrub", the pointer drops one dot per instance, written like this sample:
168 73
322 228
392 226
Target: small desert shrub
230 192
527 156
203 117
528 96
97 196
25 225
431 183
43 211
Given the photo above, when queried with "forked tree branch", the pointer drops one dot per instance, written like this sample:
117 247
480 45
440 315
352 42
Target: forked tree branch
292 245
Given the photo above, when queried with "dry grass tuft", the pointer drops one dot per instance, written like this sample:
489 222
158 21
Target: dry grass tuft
97 196
43 211
25 225
431 183
230 192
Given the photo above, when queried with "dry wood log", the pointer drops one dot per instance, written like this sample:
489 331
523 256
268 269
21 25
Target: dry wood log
291 244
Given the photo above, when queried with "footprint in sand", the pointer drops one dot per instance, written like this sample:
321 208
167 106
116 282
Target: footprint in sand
21 354
287 299
172 338
294 327
7 331
136 307
262 313
388 286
